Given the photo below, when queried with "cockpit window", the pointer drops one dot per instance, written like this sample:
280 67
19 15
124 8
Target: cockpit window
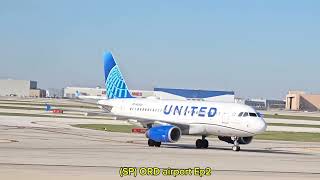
240 114
253 114
258 114
245 114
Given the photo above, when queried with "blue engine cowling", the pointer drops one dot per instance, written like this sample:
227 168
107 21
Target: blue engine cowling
164 133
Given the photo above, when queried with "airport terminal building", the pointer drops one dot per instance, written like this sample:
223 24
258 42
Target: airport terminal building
198 95
265 104
161 93
20 88
71 92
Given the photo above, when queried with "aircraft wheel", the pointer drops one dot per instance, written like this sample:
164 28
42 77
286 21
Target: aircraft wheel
157 144
199 143
205 144
236 148
151 142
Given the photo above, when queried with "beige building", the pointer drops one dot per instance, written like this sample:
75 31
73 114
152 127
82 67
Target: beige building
300 101
20 88
36 93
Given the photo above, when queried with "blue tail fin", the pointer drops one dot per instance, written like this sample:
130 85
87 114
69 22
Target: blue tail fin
115 85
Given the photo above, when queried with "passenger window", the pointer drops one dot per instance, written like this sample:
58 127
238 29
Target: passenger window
245 114
253 114
240 114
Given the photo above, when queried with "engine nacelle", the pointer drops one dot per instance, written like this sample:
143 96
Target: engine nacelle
226 139
245 140
164 133
241 140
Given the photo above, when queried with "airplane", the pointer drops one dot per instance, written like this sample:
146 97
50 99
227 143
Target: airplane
167 120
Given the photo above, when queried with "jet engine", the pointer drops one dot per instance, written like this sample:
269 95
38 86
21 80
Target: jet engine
241 140
164 133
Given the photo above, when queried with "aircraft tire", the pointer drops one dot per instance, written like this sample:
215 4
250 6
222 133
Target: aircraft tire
157 144
205 144
199 143
151 142
236 148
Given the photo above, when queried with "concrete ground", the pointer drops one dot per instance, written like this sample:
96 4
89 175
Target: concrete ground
48 148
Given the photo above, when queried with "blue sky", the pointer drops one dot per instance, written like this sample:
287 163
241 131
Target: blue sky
256 48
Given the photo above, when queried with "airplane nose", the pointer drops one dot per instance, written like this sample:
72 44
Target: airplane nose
261 126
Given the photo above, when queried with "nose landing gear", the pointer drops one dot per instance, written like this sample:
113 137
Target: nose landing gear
236 146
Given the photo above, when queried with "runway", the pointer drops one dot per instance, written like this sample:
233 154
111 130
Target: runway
49 148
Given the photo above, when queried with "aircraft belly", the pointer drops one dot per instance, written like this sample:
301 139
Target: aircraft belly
197 129
218 130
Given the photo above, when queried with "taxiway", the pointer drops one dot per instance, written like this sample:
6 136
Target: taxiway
49 148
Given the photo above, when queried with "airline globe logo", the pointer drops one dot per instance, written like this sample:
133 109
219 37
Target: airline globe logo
190 110
115 86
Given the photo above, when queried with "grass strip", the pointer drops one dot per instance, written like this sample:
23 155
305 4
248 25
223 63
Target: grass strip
49 115
107 127
311 118
294 125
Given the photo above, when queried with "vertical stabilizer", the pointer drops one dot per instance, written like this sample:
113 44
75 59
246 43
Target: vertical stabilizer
114 82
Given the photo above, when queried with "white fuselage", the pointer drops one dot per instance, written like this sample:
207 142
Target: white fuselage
193 117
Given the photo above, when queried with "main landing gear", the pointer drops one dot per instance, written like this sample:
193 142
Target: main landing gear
235 146
154 143
202 143
151 142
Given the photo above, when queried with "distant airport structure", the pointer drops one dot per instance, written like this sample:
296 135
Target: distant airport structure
190 94
161 93
20 88
295 100
301 101
263 104
54 93
72 92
